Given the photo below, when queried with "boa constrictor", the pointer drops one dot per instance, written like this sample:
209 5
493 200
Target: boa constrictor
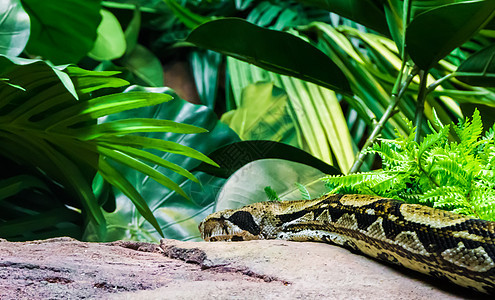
435 242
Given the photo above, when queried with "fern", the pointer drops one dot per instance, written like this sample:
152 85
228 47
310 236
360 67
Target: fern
271 194
454 175
304 191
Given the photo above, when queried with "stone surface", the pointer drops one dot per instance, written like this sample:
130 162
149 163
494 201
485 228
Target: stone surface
64 268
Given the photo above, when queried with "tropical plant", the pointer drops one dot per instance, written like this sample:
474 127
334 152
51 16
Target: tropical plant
328 85
68 134
457 176
45 128
380 71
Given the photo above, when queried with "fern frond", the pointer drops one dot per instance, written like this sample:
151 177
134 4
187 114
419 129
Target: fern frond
470 131
432 140
449 171
271 194
483 201
391 153
304 191
446 196
456 176
410 128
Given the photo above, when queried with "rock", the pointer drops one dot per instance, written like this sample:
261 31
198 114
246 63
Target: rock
65 268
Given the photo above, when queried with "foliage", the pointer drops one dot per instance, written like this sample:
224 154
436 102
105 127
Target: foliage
177 216
457 176
305 195
378 72
263 114
271 194
350 80
44 127
247 185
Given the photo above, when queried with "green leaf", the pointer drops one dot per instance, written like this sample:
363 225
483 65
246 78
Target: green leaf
234 156
275 51
305 195
190 19
110 43
116 179
479 68
132 31
135 125
89 81
178 218
62 31
263 114
205 68
157 144
141 167
246 186
366 12
315 111
144 155
394 12
14 28
102 106
13 185
271 194
10 63
144 65
435 33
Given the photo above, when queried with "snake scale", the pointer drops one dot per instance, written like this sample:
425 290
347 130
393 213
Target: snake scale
442 244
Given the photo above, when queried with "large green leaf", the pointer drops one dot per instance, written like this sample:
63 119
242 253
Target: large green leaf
110 43
205 67
14 28
144 65
263 114
178 217
62 31
479 68
394 11
435 33
246 186
276 51
370 13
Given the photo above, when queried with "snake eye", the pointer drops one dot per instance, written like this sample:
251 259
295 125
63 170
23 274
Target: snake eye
245 221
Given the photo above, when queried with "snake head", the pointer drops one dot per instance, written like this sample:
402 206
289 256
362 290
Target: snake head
230 225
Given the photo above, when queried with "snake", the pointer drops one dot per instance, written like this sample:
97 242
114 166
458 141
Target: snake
435 242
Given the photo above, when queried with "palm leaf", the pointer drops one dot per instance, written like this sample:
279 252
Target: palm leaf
45 127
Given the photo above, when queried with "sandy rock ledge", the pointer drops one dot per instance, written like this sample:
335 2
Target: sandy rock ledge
64 268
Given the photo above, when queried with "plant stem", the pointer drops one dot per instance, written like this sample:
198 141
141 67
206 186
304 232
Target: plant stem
386 116
396 92
420 105
434 85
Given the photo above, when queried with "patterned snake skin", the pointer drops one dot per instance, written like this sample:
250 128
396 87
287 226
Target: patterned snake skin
431 241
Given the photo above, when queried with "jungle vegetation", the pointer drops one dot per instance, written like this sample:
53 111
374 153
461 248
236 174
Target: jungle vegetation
383 97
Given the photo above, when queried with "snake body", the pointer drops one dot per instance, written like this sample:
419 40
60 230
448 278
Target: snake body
442 244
